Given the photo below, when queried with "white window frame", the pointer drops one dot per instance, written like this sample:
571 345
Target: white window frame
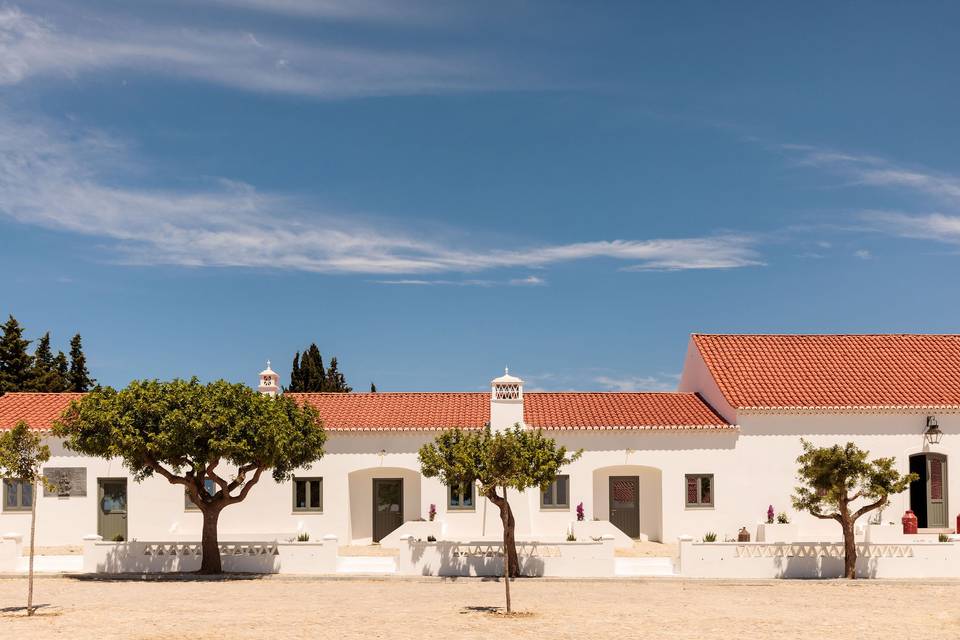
460 495
699 478
552 492
16 485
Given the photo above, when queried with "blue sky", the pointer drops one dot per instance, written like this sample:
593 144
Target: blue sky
433 190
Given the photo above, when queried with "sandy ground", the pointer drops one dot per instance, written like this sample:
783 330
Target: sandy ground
433 608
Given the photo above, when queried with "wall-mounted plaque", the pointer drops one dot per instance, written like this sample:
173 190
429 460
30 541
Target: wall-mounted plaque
65 482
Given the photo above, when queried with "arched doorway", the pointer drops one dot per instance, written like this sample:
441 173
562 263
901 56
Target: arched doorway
928 494
630 497
381 499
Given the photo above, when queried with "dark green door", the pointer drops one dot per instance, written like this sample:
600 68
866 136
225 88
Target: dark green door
112 508
625 504
387 506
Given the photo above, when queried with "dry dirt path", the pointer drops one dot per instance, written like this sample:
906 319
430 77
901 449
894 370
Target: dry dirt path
430 608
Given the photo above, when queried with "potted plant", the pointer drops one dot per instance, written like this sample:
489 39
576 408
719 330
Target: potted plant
777 528
710 536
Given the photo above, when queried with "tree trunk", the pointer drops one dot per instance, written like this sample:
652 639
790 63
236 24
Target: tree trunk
210 545
849 548
33 534
508 543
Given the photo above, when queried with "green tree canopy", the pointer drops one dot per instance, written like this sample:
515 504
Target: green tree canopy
184 430
835 480
516 458
22 455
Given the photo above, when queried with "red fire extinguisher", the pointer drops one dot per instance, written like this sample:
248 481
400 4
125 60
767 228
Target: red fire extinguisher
909 521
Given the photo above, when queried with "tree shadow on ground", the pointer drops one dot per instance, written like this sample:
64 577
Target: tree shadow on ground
165 577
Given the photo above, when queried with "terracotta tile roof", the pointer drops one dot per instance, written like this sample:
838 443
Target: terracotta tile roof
427 411
834 371
432 411
39 410
399 411
619 411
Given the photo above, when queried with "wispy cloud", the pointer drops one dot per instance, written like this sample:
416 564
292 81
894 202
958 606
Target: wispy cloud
389 11
863 254
529 281
665 382
871 170
57 181
933 226
263 61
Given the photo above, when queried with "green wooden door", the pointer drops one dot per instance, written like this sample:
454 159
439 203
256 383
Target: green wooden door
936 491
387 506
625 504
112 508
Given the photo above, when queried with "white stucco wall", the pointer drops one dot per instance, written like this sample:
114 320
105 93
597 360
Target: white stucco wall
752 468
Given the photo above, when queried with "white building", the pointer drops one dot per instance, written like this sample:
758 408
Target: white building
710 457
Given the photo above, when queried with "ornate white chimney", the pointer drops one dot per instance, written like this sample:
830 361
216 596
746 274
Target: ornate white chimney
269 381
506 401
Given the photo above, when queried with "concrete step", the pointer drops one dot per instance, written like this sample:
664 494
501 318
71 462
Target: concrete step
367 564
643 567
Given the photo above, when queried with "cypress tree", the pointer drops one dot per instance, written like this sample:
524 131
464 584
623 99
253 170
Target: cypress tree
311 370
373 388
79 377
16 365
45 376
295 382
63 372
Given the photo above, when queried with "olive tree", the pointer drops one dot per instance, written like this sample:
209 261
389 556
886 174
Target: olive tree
22 454
834 478
516 458
183 431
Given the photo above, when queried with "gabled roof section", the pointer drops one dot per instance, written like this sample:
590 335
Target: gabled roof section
842 372
39 410
435 411
398 411
619 411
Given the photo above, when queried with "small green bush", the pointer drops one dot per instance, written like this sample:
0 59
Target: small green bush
783 518
944 537
119 538
303 537
710 536
571 537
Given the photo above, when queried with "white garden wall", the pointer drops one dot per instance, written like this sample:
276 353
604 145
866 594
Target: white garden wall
752 560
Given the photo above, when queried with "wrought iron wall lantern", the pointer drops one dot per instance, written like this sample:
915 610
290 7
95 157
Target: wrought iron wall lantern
933 434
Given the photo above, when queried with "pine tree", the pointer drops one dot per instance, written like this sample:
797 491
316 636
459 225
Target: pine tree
79 377
15 363
44 375
336 382
295 382
373 388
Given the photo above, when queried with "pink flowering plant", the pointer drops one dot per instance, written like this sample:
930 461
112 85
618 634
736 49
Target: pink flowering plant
770 514
432 513
580 512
